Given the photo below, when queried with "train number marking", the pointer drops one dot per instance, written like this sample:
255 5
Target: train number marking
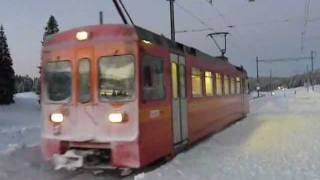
154 114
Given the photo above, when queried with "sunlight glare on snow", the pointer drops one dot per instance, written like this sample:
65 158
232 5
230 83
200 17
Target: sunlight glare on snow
273 132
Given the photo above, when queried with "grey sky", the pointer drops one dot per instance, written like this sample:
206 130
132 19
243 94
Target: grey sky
267 28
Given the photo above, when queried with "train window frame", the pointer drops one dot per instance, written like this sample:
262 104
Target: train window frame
218 76
208 75
226 85
48 100
133 97
182 92
232 85
174 80
89 80
247 84
200 74
238 85
142 86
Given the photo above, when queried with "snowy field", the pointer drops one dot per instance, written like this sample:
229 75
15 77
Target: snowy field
278 140
20 122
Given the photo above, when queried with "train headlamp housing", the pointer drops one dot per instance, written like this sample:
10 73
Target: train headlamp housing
56 118
82 35
147 42
116 117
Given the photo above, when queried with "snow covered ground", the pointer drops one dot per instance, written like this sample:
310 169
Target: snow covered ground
278 140
20 122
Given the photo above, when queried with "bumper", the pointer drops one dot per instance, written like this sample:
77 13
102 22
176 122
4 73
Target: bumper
122 154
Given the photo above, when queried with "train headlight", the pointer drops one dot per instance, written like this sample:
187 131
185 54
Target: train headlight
56 117
147 42
116 117
82 35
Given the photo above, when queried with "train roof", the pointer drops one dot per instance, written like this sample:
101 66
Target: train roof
164 41
161 40
135 33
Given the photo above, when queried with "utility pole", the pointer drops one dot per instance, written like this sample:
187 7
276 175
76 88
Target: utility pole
308 78
311 75
101 17
271 89
258 80
173 33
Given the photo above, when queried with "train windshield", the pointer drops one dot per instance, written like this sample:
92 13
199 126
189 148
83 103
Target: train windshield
58 81
116 78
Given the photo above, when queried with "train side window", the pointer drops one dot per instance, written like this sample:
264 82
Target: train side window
208 83
247 86
84 80
153 78
182 80
238 84
226 85
174 78
233 86
196 82
218 84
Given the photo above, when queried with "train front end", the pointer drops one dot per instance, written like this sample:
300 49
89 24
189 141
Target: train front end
89 96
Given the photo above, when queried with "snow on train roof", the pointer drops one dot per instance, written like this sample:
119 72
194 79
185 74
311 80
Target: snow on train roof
135 32
161 40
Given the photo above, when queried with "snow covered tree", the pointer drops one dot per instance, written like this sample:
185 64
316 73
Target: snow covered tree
51 28
7 86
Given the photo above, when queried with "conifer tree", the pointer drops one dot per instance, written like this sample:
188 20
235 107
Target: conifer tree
7 87
51 28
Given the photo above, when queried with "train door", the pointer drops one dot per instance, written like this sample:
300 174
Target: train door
242 91
179 99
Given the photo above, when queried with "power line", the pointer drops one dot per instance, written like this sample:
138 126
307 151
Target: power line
284 59
194 16
226 24
193 30
305 24
277 60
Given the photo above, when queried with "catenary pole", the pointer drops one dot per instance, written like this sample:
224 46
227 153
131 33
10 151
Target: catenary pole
258 80
173 33
100 17
311 76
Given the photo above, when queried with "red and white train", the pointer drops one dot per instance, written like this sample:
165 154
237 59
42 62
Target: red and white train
130 97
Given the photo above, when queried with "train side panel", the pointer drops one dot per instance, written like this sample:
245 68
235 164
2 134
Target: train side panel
155 138
208 115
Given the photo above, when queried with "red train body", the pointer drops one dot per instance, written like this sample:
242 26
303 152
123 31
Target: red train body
134 94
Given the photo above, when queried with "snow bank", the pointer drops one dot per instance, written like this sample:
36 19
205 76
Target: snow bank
20 122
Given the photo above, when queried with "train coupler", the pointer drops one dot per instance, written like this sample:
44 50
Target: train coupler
96 160
71 160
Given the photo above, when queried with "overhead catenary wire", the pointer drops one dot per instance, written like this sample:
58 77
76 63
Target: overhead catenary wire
305 24
194 16
193 30
229 26
284 59
197 18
